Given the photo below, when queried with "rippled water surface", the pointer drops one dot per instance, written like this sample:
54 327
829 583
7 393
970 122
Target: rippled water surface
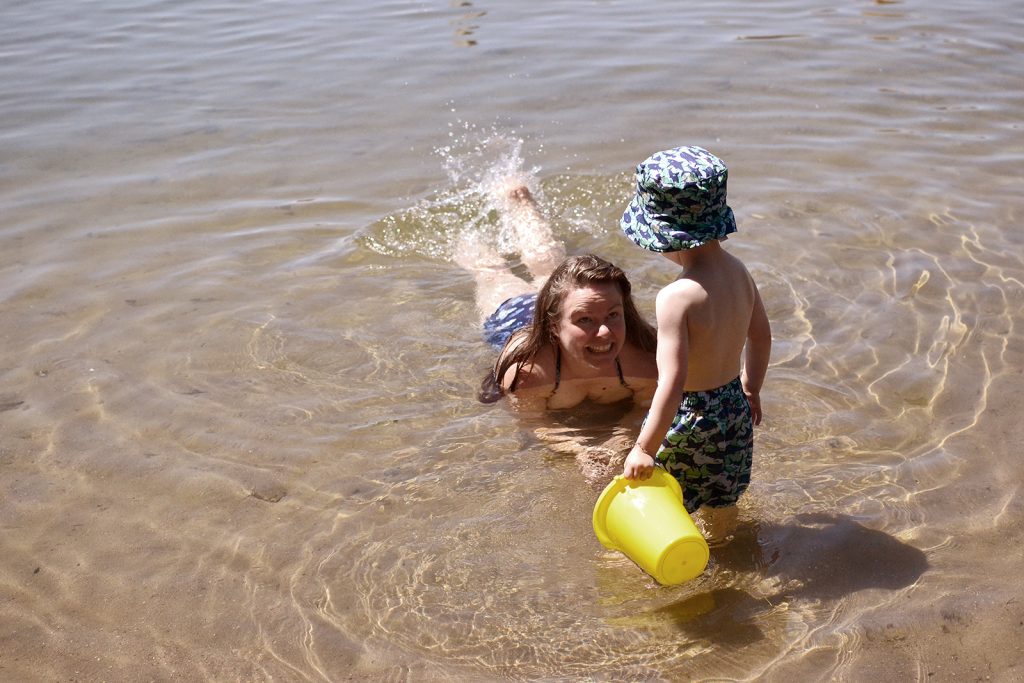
238 434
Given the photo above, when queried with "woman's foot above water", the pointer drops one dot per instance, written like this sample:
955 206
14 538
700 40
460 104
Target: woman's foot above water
521 193
512 194
522 219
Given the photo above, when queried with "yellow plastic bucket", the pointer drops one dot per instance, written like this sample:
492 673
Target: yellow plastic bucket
646 521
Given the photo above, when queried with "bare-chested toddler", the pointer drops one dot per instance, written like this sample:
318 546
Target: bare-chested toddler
714 338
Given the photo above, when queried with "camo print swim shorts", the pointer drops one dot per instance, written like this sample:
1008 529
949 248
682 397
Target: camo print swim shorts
710 445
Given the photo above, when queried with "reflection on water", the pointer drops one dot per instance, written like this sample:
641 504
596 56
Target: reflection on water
238 438
494 600
466 24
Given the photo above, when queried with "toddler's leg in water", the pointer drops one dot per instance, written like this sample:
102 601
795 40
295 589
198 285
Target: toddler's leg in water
495 282
719 523
538 248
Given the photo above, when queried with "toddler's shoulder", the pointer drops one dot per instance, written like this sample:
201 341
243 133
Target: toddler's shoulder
681 293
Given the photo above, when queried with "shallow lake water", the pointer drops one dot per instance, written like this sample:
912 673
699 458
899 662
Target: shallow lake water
238 432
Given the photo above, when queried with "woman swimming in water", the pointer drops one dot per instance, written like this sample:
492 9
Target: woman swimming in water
571 335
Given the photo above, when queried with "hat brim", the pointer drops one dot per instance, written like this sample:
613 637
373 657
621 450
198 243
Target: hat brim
656 234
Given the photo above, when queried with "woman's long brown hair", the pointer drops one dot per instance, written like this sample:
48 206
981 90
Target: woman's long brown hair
571 274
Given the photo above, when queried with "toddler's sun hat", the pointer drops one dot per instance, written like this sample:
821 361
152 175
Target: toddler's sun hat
680 201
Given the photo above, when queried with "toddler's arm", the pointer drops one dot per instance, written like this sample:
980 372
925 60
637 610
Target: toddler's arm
756 356
673 354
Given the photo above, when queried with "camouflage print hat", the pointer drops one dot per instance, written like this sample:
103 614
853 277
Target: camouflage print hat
680 201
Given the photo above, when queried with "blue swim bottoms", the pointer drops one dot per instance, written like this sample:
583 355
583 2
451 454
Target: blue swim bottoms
513 314
709 448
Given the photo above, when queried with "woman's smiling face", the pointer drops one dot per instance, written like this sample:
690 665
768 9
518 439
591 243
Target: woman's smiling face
592 327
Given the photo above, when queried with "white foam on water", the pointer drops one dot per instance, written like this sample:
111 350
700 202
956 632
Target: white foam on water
478 162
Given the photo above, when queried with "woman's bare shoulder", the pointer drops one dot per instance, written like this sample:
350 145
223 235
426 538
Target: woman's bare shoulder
532 376
636 362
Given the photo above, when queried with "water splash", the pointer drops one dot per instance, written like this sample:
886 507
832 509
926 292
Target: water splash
478 164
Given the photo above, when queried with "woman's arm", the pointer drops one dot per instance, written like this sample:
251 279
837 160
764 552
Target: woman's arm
533 377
